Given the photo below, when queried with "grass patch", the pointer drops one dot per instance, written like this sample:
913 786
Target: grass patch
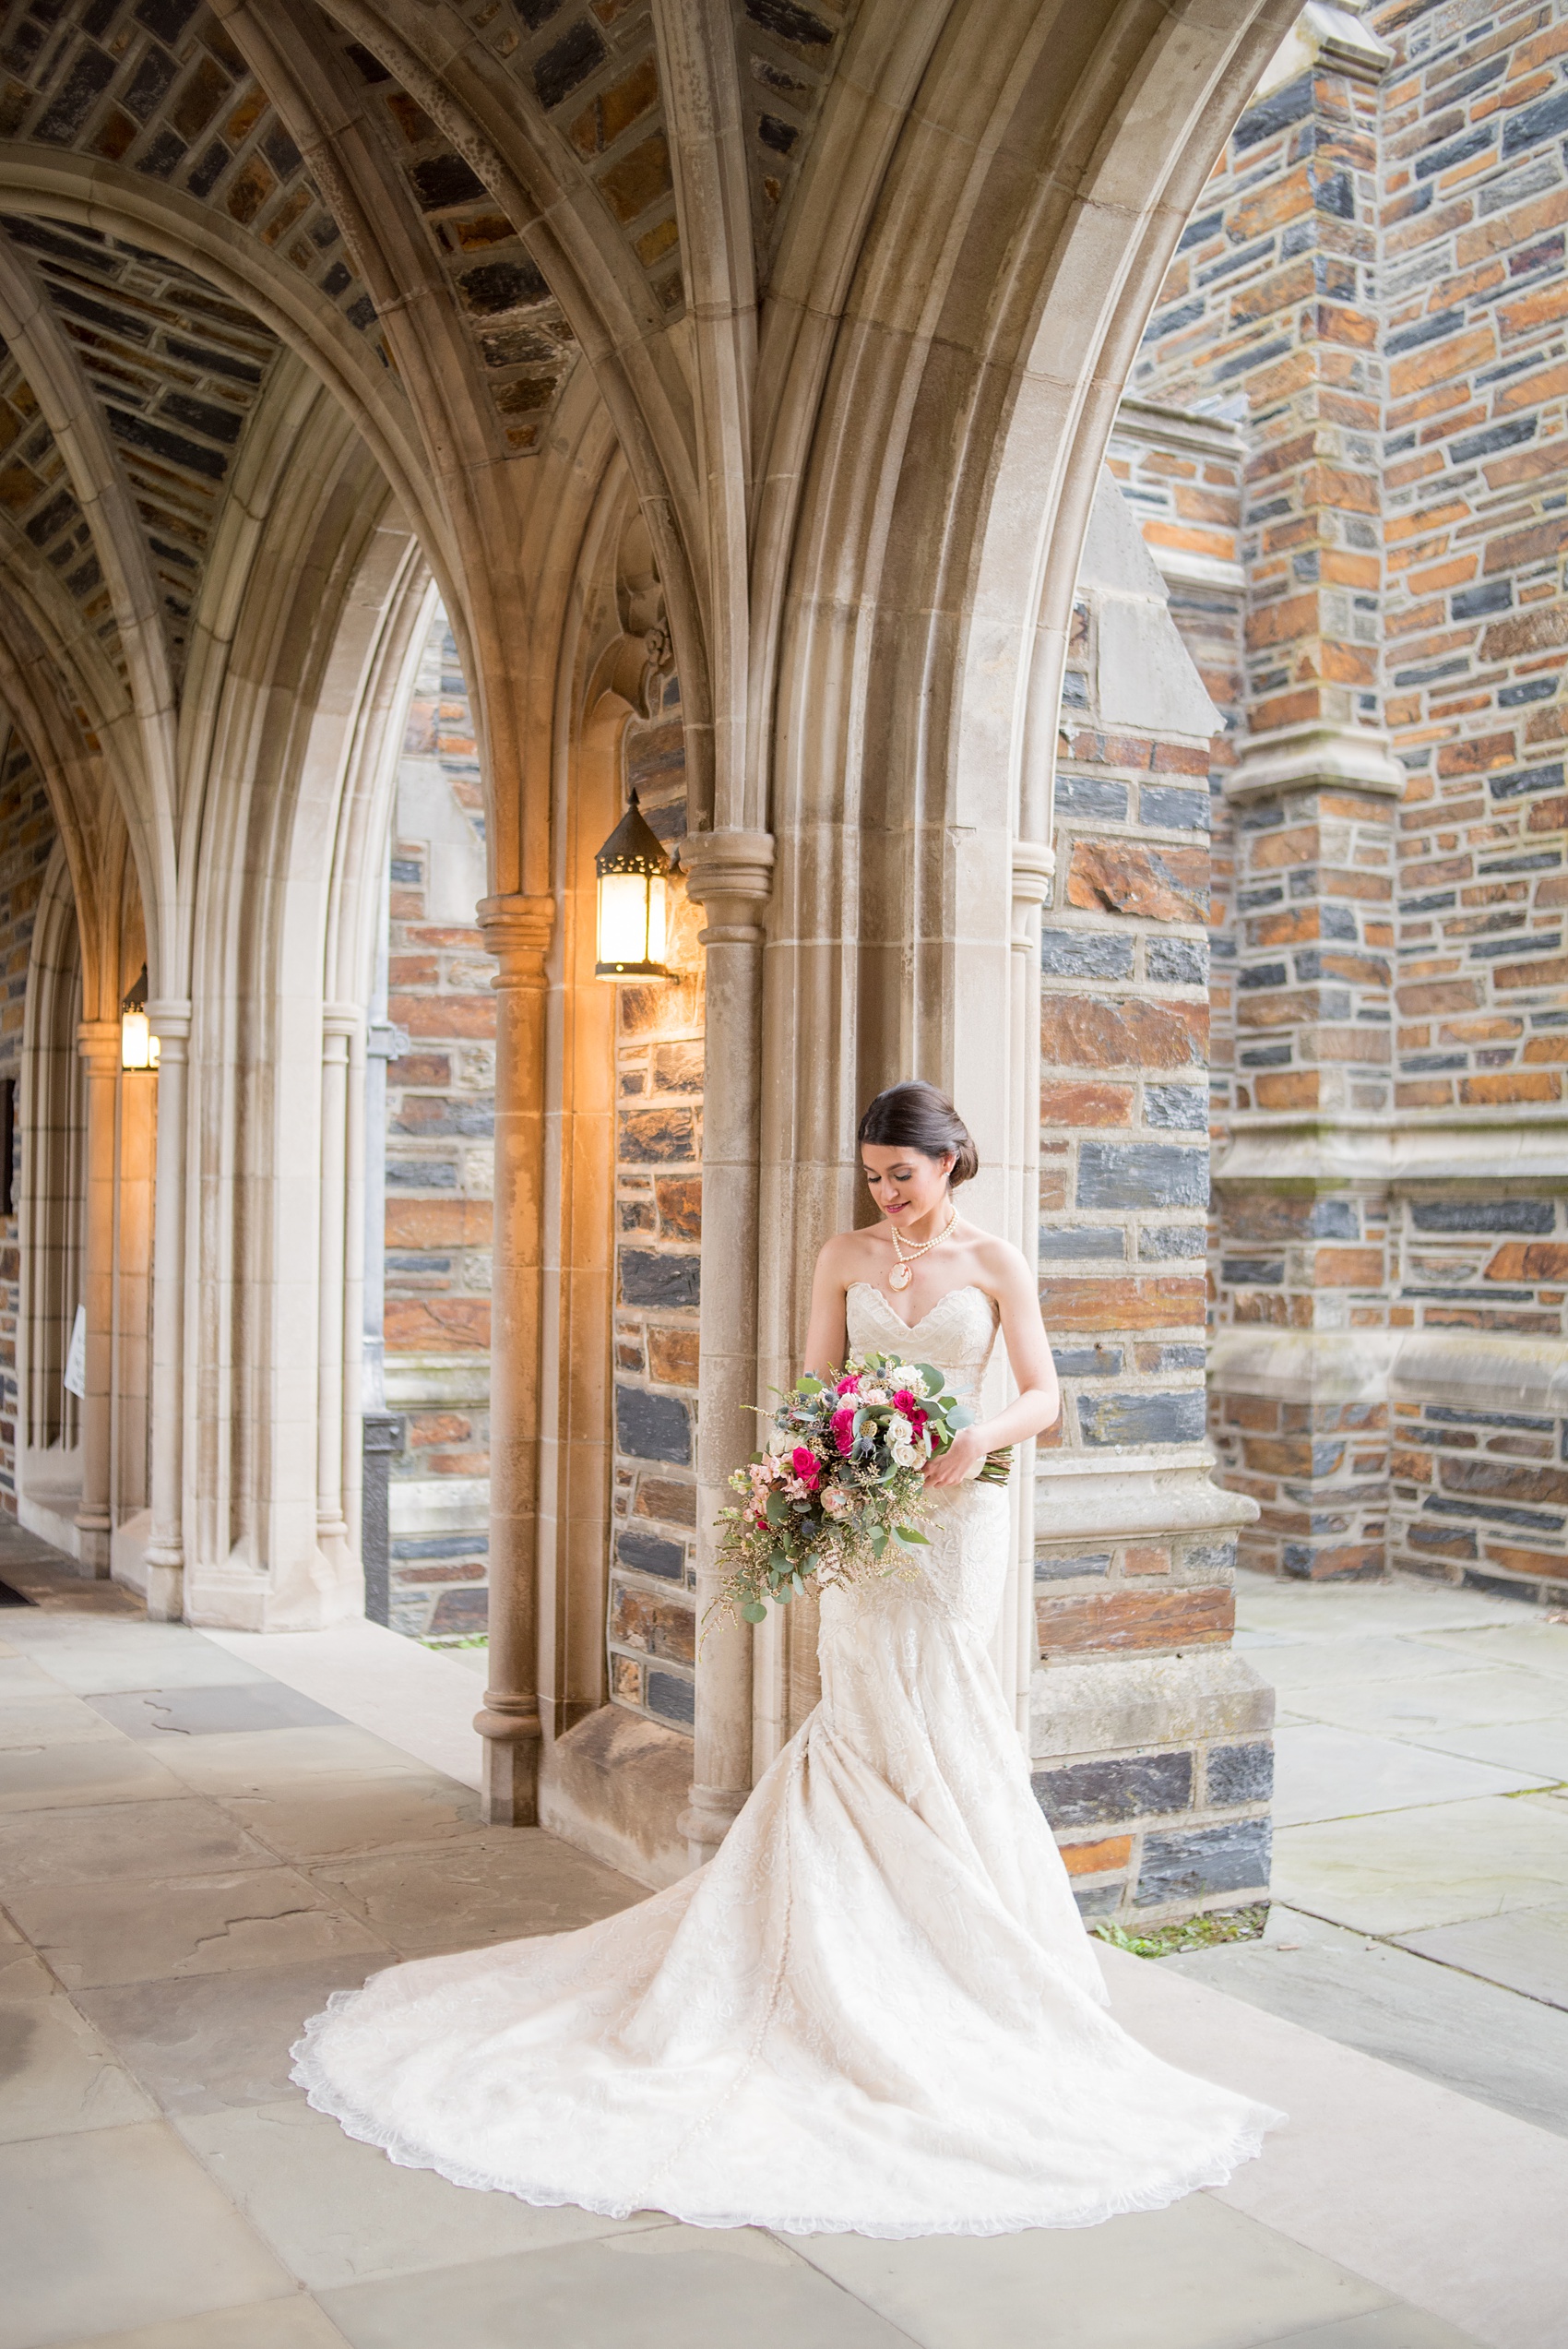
1192 1933
464 1640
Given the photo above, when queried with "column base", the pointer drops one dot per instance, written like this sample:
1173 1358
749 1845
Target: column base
93 1537
509 1781
707 1818
165 1594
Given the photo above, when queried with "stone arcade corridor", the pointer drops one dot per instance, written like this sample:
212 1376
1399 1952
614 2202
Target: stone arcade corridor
1053 514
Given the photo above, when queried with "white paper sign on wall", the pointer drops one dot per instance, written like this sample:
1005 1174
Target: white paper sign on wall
75 1359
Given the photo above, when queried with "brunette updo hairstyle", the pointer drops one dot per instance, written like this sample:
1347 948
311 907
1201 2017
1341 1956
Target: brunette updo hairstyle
915 1116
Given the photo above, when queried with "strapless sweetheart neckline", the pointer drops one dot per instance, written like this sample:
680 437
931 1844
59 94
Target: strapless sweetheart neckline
964 1288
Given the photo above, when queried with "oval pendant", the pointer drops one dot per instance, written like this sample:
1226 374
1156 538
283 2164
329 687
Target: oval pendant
900 1276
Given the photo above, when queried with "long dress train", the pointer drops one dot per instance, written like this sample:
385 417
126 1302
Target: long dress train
875 2011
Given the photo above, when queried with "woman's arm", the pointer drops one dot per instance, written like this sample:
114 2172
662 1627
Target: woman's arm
1029 1351
827 1334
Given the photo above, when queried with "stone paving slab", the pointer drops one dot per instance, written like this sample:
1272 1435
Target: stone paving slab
205 1710
1307 1663
108 2228
1195 2276
1525 1950
1447 2026
97 1656
60 2073
1322 1771
99 1771
1415 1708
702 2290
1538 1745
183 1836
205 2042
496 1886
144 1930
295 2323
1400 1871
1538 1646
279 1762
339 2212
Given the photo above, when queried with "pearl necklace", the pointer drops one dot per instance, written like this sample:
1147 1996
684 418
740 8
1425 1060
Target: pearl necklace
903 1271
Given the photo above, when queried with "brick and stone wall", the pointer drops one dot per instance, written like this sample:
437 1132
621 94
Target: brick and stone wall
26 840
1372 287
440 1104
658 1081
1150 1734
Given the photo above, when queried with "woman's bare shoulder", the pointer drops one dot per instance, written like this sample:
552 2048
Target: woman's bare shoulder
844 1257
1001 1265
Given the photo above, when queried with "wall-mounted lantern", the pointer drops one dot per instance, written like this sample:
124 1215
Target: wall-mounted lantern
634 875
139 1045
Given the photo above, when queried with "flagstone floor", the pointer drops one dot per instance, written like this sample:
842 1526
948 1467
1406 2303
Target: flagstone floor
195 1849
1420 1854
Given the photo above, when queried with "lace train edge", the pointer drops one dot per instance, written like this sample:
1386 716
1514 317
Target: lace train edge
310 2073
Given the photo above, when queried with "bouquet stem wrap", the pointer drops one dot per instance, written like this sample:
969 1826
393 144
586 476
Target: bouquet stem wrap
839 1494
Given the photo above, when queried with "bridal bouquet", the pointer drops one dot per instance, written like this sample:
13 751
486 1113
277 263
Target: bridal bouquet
838 1492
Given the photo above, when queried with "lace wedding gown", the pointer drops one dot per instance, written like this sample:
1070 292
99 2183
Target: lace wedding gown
875 2011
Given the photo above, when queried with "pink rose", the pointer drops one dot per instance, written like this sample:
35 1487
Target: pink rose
844 1429
847 1386
905 1402
807 1467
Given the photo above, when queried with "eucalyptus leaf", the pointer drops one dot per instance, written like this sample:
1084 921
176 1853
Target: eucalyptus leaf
785 1594
907 1534
755 1612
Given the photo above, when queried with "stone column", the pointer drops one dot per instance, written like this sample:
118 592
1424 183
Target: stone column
1298 1368
338 1024
1033 863
517 931
730 874
171 1023
98 1041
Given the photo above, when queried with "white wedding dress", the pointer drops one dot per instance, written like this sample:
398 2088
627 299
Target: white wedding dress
875 2011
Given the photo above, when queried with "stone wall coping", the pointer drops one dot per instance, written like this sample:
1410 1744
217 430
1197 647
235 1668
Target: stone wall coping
1361 1366
1527 1147
1117 1498
1127 1704
412 1379
1162 426
1318 756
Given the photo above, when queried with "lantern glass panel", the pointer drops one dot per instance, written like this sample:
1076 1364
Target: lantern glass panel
623 918
136 1040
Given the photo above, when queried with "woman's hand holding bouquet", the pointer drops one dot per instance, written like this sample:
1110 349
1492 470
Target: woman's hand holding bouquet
840 1491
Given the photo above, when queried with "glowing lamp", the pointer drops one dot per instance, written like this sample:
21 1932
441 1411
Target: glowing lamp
139 1045
633 876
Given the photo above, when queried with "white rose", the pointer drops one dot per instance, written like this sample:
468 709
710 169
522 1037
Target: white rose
906 1454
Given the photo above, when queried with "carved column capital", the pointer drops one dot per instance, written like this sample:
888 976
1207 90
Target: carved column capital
517 931
731 873
169 1017
1034 862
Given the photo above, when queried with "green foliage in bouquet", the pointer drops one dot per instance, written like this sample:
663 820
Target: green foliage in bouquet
839 1495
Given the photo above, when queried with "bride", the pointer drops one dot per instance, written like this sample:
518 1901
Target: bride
877 2010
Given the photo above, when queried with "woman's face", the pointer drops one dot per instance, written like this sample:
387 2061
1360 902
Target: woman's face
905 1184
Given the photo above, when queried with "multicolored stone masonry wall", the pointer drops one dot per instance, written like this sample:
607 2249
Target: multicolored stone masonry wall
1373 290
440 1117
658 1081
27 842
1150 1738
